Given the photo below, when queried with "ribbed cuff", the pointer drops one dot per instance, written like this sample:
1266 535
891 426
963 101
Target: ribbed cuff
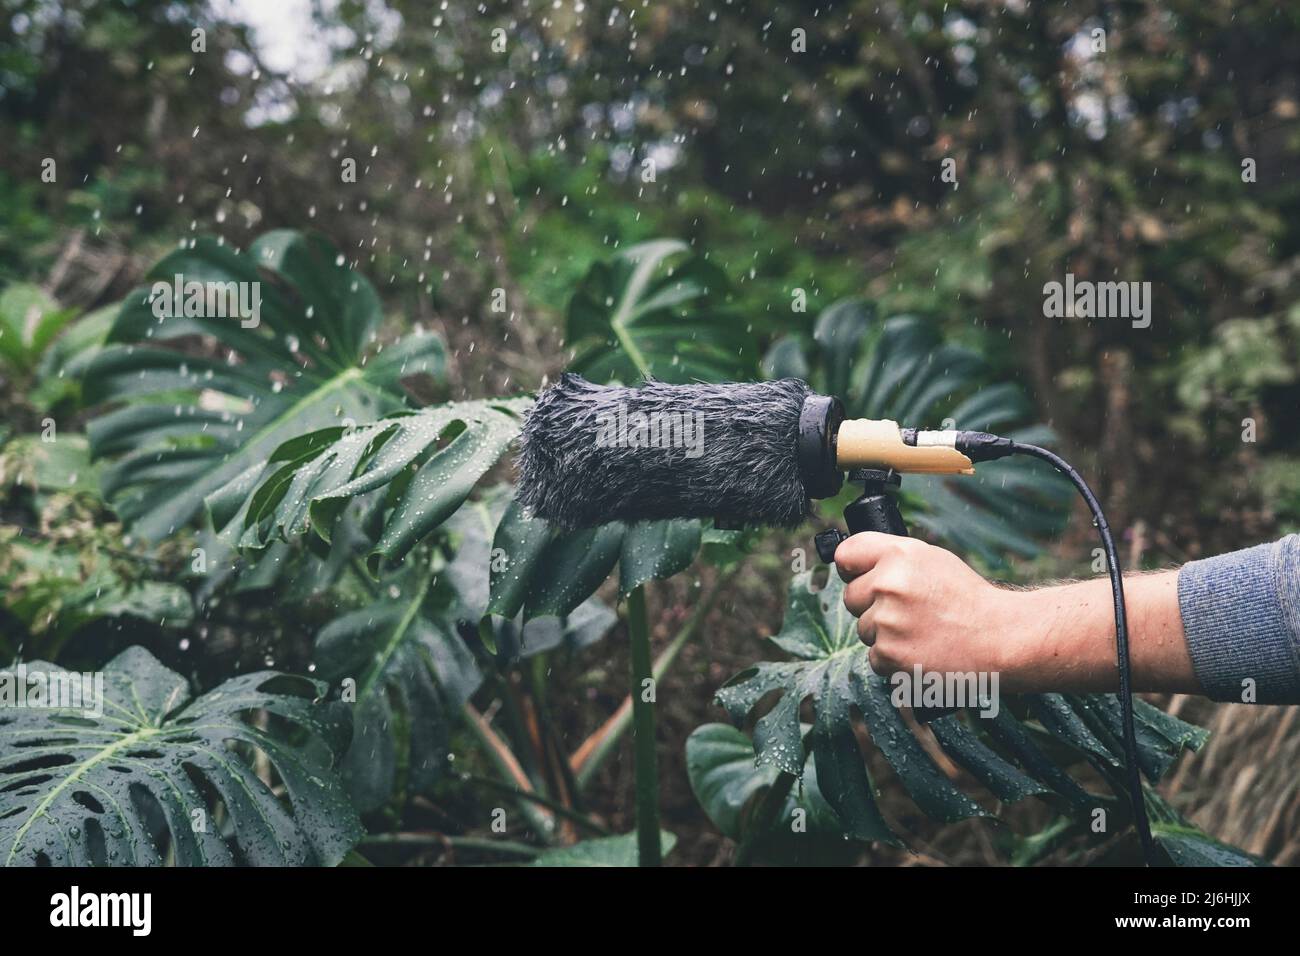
1241 613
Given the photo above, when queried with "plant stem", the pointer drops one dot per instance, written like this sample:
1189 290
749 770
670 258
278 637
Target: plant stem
765 814
543 823
559 808
643 720
511 847
764 817
596 749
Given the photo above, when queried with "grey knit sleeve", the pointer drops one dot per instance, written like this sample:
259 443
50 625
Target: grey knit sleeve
1241 613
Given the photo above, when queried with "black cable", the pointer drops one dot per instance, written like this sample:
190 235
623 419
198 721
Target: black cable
984 446
1134 771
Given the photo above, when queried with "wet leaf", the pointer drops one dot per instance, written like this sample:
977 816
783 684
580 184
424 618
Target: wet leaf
187 425
140 781
657 309
900 369
404 457
412 673
729 785
832 669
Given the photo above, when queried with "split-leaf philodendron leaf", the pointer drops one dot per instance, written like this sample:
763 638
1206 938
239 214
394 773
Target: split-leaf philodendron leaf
831 668
658 309
1001 753
426 463
188 424
469 573
731 787
136 776
544 573
901 369
411 673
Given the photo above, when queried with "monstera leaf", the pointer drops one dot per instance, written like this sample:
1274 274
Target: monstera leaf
404 659
900 369
544 573
134 777
1187 845
409 674
635 314
426 464
469 572
730 787
204 400
831 669
657 309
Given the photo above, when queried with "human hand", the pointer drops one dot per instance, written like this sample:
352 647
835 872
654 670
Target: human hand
921 605
918 604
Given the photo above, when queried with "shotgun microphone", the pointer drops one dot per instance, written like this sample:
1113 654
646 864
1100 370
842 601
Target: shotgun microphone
756 453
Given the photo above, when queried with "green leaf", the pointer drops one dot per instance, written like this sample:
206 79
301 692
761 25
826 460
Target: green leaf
412 674
655 550
729 785
606 851
900 369
544 573
1188 846
469 573
426 463
727 548
139 782
656 309
1001 777
64 364
56 588
832 669
186 425
785 359
49 466
571 568
839 331
1092 725
29 321
519 543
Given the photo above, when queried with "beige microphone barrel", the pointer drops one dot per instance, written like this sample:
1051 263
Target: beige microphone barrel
868 443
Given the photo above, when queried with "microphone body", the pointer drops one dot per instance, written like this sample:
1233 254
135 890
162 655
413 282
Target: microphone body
752 453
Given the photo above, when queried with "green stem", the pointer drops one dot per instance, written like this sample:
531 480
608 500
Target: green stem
542 823
643 720
596 749
558 808
510 847
764 817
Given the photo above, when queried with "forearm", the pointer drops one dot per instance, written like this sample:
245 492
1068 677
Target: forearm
1227 627
1062 638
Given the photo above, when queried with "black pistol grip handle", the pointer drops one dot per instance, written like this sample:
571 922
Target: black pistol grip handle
879 512
875 513
876 510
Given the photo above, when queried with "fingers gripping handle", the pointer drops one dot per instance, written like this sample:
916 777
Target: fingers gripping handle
875 510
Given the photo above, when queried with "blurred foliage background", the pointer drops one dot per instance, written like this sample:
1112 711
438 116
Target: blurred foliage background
798 146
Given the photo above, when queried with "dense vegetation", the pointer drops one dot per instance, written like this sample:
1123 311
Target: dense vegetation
304 531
